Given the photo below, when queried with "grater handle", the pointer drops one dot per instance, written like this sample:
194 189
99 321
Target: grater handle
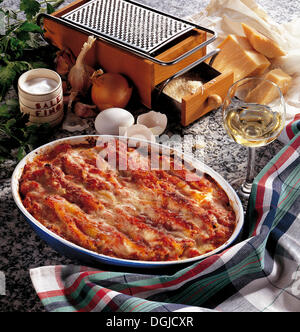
190 52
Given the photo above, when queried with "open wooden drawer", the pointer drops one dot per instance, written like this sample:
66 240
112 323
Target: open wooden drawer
192 106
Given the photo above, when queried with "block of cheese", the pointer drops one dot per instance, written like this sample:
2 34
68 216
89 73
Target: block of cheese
261 43
237 55
279 77
264 92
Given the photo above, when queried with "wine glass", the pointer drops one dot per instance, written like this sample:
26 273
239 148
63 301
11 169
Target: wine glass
254 116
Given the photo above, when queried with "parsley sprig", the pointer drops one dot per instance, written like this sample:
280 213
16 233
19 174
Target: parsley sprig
20 39
16 137
21 49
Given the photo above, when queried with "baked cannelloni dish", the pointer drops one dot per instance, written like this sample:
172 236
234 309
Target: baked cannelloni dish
124 201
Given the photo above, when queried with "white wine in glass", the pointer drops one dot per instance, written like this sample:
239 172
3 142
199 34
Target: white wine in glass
254 116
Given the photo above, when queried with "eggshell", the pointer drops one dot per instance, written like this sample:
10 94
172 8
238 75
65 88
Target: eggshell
155 121
140 132
113 121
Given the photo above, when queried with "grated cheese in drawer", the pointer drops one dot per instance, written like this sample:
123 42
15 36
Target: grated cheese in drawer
182 86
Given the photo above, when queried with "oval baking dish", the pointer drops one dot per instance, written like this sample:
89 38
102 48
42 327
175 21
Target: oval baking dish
89 257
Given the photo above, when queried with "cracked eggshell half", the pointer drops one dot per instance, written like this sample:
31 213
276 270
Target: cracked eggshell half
155 121
113 121
139 131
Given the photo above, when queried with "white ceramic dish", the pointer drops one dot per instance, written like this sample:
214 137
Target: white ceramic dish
88 257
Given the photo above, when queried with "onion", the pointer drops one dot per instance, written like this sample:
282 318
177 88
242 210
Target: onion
110 90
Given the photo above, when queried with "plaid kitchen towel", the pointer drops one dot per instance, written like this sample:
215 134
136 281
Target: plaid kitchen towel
260 273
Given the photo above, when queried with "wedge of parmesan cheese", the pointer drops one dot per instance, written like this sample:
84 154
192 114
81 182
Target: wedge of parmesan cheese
261 43
238 56
279 77
264 93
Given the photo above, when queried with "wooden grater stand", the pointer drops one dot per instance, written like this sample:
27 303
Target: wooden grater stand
146 71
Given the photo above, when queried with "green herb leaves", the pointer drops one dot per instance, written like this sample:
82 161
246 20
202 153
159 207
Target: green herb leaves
30 8
20 41
9 73
21 49
16 137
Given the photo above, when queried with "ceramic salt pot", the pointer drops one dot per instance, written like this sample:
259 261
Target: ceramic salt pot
41 96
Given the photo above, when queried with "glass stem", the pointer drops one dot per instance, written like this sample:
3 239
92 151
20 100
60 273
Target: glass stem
246 187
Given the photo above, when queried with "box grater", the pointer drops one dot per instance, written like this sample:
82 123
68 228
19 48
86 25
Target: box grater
147 46
137 28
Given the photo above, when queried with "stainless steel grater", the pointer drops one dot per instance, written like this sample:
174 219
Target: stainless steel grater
131 26
128 23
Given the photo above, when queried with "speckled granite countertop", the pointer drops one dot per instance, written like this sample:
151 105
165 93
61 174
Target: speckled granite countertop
21 249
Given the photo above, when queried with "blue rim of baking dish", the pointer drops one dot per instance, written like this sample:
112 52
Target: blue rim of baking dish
89 257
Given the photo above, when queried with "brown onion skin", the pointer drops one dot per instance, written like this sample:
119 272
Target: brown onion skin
110 90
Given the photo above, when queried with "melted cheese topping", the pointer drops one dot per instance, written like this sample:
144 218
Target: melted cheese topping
129 212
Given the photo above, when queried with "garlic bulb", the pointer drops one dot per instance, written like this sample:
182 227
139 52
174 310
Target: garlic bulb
74 123
64 60
80 74
85 110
